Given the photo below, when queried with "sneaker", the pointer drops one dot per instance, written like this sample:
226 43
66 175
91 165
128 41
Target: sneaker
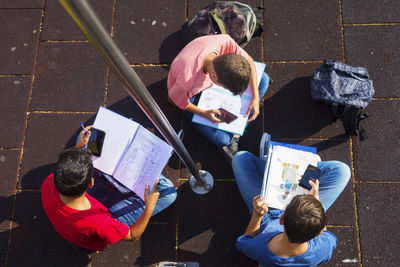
231 149
264 144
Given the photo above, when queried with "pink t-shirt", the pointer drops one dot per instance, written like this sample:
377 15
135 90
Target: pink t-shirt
186 77
93 229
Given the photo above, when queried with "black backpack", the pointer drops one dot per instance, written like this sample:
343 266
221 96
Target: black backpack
348 90
242 22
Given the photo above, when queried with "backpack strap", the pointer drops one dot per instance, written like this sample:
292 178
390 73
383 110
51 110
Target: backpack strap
360 129
216 21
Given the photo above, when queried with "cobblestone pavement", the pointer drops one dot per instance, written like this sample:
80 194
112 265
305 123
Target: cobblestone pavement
51 78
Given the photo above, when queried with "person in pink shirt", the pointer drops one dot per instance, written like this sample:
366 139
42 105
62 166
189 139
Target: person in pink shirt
208 60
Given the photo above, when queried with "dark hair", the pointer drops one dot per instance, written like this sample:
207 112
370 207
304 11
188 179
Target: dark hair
233 72
74 170
304 218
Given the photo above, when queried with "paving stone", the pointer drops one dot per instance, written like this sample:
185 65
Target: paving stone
154 78
342 211
58 25
378 54
250 141
13 112
69 76
36 238
142 32
208 226
22 4
47 136
377 158
4 237
306 30
289 110
369 11
205 155
346 253
156 244
378 216
9 160
19 36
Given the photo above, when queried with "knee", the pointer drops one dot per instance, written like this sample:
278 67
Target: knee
264 84
342 170
239 156
221 138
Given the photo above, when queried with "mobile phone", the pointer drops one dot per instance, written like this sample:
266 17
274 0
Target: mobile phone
96 140
226 116
312 173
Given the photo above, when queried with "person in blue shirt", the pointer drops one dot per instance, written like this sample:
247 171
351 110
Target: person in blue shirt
296 236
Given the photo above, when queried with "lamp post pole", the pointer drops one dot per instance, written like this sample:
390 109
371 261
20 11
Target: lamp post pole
82 13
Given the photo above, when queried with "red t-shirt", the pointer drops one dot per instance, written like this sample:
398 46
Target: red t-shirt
93 229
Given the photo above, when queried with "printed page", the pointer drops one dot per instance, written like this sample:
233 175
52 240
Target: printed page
285 171
119 134
217 97
143 161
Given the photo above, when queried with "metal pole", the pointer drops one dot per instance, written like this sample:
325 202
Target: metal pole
84 16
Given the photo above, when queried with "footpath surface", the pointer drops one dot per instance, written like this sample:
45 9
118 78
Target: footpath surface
51 78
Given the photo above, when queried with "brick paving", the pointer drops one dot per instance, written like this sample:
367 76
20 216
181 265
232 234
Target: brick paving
51 78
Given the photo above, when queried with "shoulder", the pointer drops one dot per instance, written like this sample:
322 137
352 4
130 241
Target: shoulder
323 245
48 181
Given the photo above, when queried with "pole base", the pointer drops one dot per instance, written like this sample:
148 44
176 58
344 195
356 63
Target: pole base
206 187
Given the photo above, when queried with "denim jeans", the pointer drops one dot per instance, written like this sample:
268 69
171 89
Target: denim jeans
220 137
249 173
128 207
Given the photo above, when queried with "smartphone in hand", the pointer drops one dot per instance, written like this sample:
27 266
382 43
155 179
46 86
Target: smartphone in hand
95 144
312 173
226 116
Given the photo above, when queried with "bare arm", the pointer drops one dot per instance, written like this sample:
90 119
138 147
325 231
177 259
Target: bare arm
260 208
255 102
137 229
210 114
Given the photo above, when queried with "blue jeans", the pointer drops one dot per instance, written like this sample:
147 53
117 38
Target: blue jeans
128 207
220 137
249 173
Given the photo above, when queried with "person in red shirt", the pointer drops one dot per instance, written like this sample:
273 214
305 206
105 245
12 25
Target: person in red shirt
85 221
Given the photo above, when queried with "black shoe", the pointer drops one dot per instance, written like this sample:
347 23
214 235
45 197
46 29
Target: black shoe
231 149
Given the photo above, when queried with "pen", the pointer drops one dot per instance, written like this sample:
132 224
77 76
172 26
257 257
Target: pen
83 127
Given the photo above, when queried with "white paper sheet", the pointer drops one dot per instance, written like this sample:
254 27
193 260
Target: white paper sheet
119 133
217 97
143 161
285 170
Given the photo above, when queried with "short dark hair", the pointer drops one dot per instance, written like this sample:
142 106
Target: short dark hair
304 218
233 72
74 171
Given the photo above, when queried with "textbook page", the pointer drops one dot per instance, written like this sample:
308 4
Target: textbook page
285 170
143 161
119 134
217 97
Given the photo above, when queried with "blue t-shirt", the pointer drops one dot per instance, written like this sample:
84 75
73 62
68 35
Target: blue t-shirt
319 249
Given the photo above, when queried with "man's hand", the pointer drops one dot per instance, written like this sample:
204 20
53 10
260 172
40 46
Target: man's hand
212 115
260 205
255 107
151 197
314 188
84 138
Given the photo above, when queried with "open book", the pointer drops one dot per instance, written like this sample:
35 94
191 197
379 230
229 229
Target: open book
217 97
285 165
131 154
